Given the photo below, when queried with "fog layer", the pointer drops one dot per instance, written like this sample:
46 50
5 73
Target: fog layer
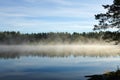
60 50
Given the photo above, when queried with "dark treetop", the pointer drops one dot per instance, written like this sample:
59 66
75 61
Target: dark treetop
110 19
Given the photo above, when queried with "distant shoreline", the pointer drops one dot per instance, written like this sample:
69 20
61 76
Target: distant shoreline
11 38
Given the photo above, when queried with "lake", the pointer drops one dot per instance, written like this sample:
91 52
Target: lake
47 66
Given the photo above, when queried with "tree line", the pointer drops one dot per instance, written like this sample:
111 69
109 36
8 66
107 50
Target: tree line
13 37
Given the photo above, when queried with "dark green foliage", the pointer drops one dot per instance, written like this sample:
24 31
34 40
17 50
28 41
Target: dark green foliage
50 38
18 38
112 36
110 19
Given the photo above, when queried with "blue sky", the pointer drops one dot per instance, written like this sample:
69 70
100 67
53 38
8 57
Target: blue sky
32 16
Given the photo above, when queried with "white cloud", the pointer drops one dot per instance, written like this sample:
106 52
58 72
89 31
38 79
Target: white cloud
87 11
84 12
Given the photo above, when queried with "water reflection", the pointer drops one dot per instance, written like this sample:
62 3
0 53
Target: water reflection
55 68
18 55
53 63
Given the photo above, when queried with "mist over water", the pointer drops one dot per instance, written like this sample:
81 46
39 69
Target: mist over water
56 61
60 50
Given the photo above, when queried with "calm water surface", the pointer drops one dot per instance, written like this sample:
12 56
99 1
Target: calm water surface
55 68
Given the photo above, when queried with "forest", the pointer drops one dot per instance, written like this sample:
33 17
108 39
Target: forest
13 37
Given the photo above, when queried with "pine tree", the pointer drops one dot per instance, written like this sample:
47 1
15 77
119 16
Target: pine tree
110 19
